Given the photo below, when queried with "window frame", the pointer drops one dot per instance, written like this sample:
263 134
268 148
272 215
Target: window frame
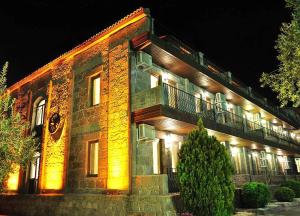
42 114
89 173
92 86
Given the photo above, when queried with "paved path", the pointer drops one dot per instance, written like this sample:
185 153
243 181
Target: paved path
290 211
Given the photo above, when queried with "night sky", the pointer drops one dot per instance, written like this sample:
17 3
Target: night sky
239 37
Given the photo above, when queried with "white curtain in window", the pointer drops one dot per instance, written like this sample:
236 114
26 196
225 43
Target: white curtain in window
39 118
96 91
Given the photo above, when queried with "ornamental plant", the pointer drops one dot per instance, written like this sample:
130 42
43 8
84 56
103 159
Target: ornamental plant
255 195
294 185
205 175
284 194
16 149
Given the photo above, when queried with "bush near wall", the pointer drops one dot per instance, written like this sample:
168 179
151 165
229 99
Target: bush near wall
294 185
255 195
284 194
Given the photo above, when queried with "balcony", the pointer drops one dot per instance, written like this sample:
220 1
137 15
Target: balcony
169 108
187 63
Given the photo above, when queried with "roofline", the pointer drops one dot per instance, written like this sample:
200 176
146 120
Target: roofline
104 34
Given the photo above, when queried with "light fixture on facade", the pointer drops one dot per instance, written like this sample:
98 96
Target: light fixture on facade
234 151
229 105
254 154
205 94
293 135
234 142
268 149
253 146
165 77
269 157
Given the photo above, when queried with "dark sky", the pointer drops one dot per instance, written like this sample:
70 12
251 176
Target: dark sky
236 36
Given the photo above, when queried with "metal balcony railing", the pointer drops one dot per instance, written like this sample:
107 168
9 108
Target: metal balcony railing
183 101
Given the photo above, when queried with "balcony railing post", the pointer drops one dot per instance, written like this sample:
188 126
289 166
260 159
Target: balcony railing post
162 93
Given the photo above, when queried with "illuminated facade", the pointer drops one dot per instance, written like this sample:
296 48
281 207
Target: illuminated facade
112 114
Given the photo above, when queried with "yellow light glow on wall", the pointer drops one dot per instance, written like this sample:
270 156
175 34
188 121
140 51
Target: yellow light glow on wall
54 165
13 179
53 159
118 119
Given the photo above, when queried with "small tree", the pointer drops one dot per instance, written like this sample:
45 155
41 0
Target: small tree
15 148
205 175
286 80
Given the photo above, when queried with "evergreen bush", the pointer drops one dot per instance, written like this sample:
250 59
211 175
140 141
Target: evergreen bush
294 185
284 194
255 195
205 175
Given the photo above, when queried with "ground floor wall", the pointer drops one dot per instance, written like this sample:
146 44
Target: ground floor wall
89 204
240 180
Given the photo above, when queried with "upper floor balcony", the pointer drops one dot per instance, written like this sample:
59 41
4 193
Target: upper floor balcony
171 109
175 56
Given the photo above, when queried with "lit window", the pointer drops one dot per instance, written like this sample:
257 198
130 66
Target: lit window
154 81
34 167
39 118
96 90
93 158
198 102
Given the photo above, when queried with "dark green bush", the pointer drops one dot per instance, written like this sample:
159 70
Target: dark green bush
294 185
284 194
255 195
205 175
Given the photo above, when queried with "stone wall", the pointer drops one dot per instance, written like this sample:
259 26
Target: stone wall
239 180
107 122
89 204
150 185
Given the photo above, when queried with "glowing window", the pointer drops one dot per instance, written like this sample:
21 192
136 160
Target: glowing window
93 158
39 117
154 81
96 90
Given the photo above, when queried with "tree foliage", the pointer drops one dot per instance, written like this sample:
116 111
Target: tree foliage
286 80
15 147
205 175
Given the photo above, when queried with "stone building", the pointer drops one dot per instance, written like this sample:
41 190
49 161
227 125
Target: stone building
112 113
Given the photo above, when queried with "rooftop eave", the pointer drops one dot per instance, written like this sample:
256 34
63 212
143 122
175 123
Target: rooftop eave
104 34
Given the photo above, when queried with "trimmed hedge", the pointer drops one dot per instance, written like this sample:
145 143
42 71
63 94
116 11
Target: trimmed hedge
284 194
255 195
294 185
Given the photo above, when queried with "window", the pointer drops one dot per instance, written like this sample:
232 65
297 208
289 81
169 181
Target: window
93 158
297 161
95 90
34 167
39 117
154 81
198 102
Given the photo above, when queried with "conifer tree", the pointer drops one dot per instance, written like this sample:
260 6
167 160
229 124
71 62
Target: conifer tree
16 149
205 175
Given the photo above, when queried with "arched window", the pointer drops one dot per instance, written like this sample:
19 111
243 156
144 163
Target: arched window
39 116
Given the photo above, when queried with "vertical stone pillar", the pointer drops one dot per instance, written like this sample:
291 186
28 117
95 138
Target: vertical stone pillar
118 118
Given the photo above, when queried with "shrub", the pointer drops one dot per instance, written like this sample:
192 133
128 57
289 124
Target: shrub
255 195
205 175
284 194
294 185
